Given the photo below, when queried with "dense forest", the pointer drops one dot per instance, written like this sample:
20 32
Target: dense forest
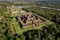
49 14
10 29
50 4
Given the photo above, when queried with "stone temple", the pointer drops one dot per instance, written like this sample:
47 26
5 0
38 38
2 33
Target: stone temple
29 20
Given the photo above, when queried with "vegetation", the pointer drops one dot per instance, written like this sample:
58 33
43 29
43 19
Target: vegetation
48 33
10 28
49 4
49 14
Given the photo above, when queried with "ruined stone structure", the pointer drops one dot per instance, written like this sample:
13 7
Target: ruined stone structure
29 20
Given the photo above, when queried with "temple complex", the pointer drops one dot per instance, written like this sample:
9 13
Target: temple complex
29 20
